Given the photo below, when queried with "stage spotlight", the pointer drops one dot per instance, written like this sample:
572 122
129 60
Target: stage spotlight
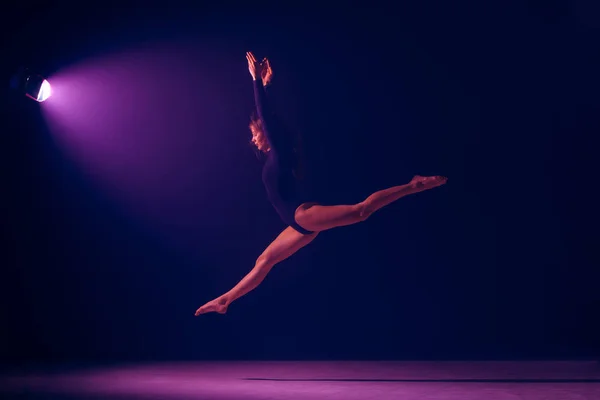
34 86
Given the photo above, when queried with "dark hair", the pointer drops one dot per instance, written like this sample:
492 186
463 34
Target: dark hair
259 139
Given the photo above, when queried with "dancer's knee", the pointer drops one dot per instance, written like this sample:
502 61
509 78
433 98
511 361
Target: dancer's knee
363 211
265 261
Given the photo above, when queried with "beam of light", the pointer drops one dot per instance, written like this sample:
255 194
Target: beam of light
149 128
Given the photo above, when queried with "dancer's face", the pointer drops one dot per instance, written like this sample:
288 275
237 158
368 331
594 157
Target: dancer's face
259 138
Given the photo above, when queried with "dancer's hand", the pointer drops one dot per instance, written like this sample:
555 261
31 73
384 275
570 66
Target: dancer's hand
261 69
266 72
254 66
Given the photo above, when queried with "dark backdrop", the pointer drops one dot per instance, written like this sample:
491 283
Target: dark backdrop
502 97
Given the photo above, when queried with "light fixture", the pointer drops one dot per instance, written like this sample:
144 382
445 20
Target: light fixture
34 86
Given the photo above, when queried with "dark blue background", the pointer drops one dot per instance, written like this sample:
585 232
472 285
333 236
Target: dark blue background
502 97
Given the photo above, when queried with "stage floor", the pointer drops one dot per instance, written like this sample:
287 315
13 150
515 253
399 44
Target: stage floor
310 380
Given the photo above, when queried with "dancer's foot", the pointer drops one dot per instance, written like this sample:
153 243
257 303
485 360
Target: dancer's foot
218 305
428 182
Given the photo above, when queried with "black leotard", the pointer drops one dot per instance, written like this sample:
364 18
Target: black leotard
283 188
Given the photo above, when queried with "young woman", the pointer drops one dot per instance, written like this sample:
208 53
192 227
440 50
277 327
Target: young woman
280 176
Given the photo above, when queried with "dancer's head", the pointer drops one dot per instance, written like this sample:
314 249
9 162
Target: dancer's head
259 139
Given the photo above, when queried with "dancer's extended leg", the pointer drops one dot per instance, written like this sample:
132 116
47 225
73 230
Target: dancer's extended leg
319 218
287 243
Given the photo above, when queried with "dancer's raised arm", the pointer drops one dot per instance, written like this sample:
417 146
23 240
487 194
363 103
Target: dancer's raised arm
276 133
